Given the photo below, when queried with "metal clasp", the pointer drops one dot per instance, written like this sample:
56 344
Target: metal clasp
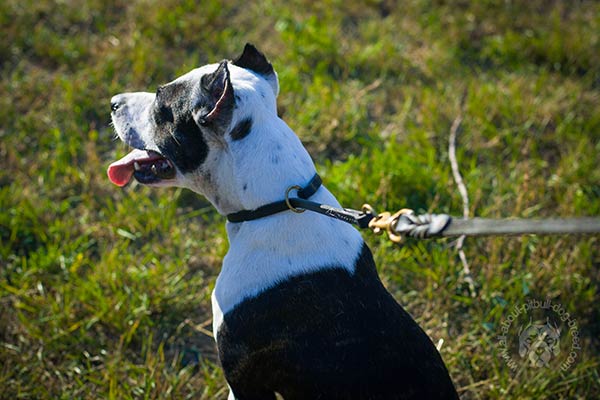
385 222
287 199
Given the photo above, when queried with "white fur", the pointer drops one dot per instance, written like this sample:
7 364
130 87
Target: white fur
273 249
133 126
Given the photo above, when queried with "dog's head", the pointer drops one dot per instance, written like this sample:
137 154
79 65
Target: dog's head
214 130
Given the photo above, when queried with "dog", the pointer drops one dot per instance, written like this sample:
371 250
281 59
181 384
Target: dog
298 307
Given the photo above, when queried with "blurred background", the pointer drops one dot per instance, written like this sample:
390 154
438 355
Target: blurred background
105 292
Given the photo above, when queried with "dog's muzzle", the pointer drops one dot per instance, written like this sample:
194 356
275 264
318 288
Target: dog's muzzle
147 167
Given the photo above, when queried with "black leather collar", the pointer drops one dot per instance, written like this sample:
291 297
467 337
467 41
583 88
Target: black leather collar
278 206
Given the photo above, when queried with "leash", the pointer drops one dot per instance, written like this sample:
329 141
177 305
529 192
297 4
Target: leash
424 226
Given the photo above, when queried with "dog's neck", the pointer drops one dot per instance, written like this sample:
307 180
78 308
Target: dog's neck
247 174
271 249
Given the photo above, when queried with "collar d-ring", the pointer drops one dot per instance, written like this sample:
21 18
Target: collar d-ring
287 199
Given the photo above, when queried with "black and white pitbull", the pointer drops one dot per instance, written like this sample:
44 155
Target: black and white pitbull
298 307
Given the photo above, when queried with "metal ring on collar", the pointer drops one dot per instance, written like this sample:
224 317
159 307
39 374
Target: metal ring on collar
287 199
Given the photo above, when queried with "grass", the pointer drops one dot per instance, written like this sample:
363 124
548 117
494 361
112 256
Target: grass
105 293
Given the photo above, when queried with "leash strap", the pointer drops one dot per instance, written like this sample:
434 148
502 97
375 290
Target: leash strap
511 227
355 217
424 226
406 223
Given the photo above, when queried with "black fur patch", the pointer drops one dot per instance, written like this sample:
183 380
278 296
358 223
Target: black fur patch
330 335
185 145
242 129
254 60
178 137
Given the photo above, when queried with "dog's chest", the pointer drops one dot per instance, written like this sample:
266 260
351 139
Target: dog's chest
272 250
329 333
317 323
277 336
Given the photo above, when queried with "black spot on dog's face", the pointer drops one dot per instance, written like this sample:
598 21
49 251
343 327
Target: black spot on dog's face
177 135
242 129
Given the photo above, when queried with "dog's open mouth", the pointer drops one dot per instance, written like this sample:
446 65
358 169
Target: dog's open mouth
146 166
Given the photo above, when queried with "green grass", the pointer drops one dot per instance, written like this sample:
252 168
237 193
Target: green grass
105 292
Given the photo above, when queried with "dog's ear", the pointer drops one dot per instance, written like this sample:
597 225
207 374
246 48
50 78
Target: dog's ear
256 61
216 101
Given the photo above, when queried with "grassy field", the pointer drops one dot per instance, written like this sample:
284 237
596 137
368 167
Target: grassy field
105 292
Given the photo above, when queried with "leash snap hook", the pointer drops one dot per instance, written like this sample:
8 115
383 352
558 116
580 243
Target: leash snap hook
386 222
287 199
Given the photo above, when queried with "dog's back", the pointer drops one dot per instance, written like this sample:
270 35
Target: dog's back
330 334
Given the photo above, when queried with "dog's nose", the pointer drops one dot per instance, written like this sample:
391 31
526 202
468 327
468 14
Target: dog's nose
116 102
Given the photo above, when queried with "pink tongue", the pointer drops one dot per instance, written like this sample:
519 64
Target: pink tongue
121 171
